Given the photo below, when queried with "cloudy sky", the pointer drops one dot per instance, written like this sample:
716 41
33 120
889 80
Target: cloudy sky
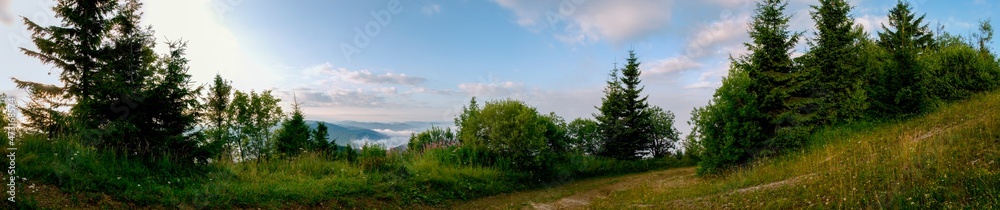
421 60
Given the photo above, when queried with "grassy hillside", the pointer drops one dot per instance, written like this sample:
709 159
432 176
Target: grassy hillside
946 159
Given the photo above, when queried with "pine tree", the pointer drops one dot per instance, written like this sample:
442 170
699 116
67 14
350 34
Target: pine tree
609 121
127 98
771 70
41 113
832 73
174 112
320 139
755 112
623 119
293 138
906 81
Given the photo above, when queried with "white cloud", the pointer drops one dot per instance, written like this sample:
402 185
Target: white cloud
671 65
364 76
431 9
731 31
336 97
702 84
577 21
871 23
495 89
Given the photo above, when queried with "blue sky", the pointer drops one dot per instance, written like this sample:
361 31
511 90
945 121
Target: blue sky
421 60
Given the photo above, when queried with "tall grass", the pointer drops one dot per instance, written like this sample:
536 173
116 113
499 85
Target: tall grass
946 159
376 178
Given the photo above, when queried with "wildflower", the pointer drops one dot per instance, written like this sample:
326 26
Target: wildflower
138 185
119 178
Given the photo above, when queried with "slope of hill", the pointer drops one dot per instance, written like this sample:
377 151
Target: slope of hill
946 159
346 134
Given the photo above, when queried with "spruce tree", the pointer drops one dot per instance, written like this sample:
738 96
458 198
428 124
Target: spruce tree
755 112
624 119
293 138
833 75
126 97
906 82
609 121
771 70
320 138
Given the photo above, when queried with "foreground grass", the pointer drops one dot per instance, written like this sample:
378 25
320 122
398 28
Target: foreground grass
944 160
71 175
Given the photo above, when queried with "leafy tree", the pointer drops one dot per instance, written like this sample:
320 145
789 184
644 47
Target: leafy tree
432 138
727 137
985 36
512 131
906 83
469 125
693 148
833 75
958 69
584 137
623 118
254 115
665 136
555 133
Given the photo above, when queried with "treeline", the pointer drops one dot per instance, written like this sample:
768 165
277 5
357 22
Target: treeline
771 101
512 135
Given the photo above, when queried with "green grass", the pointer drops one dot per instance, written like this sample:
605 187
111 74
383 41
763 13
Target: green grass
946 159
431 179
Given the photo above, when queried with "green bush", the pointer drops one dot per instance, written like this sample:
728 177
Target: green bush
513 131
373 157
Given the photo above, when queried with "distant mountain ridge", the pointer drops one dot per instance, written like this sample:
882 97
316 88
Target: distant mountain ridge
395 126
344 134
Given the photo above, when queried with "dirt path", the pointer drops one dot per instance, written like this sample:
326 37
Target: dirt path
582 194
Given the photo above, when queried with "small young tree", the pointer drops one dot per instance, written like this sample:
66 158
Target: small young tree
320 139
432 138
216 118
293 137
41 113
